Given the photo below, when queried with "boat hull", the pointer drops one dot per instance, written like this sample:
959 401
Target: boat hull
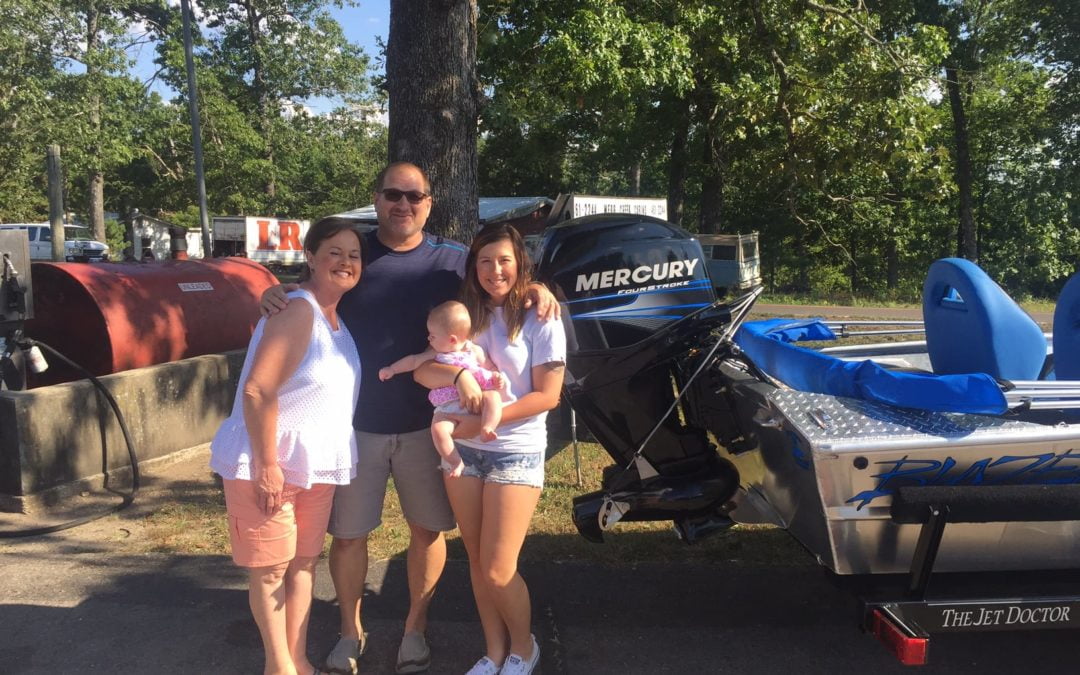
832 465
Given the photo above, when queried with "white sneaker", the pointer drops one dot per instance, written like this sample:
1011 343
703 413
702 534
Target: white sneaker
515 665
484 666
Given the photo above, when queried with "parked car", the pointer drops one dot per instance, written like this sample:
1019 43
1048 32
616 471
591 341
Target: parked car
79 245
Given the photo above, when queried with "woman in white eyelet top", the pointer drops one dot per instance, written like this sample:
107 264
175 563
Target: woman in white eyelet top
289 442
315 438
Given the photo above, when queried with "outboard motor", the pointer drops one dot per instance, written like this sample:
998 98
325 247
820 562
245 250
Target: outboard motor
640 313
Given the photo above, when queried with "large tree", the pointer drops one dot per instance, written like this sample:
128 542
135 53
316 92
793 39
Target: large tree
434 103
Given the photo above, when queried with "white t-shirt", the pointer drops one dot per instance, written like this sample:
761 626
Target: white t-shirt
539 342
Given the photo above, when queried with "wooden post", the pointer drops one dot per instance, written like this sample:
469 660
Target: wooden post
56 202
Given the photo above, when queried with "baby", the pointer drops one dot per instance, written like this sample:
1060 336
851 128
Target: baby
449 328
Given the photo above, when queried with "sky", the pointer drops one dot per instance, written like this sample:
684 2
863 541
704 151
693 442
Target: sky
362 23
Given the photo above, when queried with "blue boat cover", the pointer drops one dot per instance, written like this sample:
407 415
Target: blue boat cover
770 344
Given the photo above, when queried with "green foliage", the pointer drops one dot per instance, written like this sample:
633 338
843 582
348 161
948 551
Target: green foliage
253 132
114 237
825 126
27 77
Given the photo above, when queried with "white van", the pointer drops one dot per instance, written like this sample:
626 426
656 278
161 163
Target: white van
78 244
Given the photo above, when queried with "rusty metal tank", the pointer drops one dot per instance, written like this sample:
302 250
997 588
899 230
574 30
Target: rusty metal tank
110 317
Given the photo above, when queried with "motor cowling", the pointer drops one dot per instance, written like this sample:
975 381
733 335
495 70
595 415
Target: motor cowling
635 291
623 277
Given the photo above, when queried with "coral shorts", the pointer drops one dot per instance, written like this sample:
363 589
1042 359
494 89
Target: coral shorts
296 528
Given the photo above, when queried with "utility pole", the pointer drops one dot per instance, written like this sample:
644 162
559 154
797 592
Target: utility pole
196 130
56 201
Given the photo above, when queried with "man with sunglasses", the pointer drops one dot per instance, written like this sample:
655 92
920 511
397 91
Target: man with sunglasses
406 273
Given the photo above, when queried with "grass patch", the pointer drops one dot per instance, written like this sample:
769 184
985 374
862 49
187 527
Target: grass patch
190 528
825 300
195 523
1038 304
815 300
553 536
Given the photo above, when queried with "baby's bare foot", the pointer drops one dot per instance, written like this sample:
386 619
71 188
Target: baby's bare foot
488 435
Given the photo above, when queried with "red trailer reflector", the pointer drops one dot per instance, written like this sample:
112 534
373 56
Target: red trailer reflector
909 650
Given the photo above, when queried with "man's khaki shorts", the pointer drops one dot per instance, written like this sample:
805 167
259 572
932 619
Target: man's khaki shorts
414 464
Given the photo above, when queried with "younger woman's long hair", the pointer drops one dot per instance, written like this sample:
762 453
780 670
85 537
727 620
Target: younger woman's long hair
475 298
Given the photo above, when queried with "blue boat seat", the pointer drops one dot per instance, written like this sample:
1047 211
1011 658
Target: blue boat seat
1067 332
973 326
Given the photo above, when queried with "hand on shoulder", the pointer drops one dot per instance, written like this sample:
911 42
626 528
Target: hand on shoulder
275 298
294 321
547 307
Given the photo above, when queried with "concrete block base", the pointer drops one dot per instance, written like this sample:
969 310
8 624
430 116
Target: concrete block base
61 440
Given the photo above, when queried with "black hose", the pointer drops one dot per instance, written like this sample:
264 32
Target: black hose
128 499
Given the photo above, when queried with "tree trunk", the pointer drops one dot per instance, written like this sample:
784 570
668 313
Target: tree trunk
634 176
783 109
97 204
96 176
892 262
966 242
854 278
258 83
1071 179
678 162
55 172
712 184
434 98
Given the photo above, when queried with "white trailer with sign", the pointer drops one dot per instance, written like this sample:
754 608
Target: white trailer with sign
270 241
576 206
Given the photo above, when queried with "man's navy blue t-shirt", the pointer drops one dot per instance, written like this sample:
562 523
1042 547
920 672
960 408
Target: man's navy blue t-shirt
387 315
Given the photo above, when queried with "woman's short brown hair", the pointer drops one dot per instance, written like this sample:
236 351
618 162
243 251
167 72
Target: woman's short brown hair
323 229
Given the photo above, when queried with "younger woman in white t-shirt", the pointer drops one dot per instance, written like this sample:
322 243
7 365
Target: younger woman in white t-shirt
496 494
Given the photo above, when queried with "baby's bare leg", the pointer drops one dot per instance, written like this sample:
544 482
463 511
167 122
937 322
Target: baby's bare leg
490 415
442 429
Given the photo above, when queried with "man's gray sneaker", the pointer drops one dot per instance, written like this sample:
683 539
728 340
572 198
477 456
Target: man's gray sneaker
345 654
414 655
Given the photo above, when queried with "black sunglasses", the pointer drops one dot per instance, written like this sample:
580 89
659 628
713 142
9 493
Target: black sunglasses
395 195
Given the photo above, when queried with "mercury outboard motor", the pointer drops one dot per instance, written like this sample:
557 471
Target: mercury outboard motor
640 312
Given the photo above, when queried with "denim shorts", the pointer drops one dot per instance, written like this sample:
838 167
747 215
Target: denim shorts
507 468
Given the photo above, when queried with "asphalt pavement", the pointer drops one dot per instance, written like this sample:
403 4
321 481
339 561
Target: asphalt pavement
74 607
78 601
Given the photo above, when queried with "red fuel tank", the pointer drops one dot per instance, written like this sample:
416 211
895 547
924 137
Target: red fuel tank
110 317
